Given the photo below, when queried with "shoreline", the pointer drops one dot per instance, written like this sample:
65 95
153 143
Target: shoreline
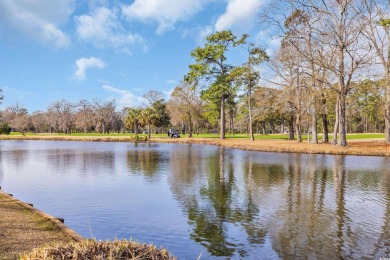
24 228
54 220
29 233
359 147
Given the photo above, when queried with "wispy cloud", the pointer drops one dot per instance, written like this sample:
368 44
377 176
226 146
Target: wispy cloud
39 20
103 28
203 33
171 81
266 39
83 64
166 13
167 94
15 94
124 97
239 14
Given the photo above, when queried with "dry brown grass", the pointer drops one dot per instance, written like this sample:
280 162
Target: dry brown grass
22 229
27 233
90 249
355 147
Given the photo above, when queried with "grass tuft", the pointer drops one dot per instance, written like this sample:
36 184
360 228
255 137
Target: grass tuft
91 249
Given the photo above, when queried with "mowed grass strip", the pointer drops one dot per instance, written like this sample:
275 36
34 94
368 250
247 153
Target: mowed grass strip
228 136
358 144
22 230
355 147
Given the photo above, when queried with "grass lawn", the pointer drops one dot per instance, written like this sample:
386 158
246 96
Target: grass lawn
359 144
236 136
279 136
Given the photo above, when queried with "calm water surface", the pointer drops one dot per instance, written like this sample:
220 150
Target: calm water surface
220 202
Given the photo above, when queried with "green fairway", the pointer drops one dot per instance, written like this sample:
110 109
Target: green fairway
365 136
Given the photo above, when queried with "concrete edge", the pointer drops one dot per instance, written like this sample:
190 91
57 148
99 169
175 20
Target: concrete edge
56 221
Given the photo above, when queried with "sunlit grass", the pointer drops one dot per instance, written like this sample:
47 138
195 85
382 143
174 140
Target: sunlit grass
282 136
365 136
211 136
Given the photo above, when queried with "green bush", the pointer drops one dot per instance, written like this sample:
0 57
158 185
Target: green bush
5 129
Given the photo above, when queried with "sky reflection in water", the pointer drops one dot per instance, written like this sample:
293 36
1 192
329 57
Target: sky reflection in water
221 202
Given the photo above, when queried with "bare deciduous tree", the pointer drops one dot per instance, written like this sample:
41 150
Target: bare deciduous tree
104 115
377 32
84 115
62 115
185 100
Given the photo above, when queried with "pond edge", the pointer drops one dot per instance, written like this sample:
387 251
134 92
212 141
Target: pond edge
56 221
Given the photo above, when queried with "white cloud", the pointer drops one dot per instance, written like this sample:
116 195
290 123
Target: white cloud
240 14
203 33
16 94
124 97
103 28
86 63
166 13
168 93
171 81
267 39
39 20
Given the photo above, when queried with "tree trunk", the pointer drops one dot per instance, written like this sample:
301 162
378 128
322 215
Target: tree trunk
149 132
250 112
232 119
341 95
325 136
189 126
85 123
387 110
314 128
231 122
222 135
342 122
291 128
336 124
298 128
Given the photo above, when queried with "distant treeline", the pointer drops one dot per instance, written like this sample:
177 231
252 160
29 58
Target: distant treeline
331 74
271 114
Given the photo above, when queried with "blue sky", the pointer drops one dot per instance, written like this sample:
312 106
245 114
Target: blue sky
73 50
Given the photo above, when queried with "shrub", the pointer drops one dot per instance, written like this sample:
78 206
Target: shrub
5 129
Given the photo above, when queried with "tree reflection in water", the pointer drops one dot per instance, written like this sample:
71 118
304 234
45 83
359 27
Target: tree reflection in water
146 161
382 246
214 204
300 204
232 203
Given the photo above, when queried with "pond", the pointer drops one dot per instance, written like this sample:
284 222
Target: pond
208 200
